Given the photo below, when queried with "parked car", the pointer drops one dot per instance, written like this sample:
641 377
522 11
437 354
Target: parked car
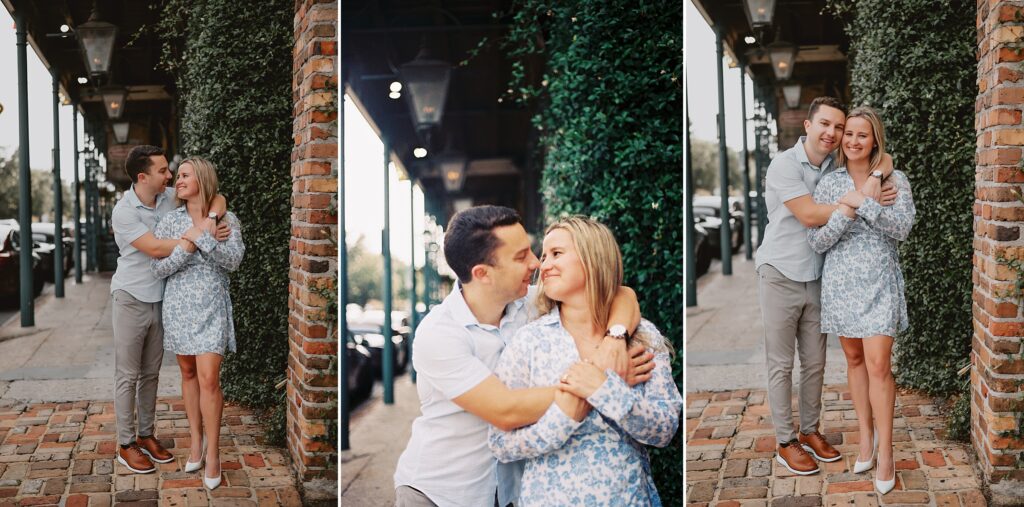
43 232
707 212
369 335
10 266
360 371
703 249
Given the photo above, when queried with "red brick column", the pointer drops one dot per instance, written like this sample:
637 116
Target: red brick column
997 372
313 348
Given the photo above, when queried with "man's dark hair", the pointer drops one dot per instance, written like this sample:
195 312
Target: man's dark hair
824 101
470 240
138 160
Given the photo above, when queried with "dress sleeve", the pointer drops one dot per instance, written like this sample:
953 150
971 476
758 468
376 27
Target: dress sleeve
167 266
825 237
229 253
648 412
894 221
549 433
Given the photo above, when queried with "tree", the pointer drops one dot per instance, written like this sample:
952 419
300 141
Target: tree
366 275
705 167
42 196
9 186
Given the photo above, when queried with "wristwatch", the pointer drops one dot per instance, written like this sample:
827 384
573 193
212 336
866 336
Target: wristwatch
876 173
618 331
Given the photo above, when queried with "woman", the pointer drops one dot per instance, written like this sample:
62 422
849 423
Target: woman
588 448
198 326
862 286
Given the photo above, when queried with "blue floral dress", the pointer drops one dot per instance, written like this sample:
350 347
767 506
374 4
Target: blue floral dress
197 305
862 291
600 460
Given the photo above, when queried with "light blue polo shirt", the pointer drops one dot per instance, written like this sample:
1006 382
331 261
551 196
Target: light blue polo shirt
130 220
785 246
447 457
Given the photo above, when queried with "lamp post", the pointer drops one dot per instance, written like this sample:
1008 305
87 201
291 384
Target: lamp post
96 38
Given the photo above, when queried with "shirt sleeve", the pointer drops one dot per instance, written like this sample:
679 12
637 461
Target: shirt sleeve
786 178
443 355
648 412
167 266
127 224
227 255
825 237
894 221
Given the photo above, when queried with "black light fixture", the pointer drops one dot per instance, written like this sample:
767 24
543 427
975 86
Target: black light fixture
121 131
759 12
96 38
453 170
426 79
114 98
791 92
783 58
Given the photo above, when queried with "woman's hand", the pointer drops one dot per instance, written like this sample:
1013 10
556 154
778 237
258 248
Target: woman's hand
572 406
193 234
852 199
186 245
582 379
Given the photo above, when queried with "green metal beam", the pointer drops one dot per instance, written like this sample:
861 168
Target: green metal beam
58 196
77 211
748 247
24 177
388 356
723 160
412 271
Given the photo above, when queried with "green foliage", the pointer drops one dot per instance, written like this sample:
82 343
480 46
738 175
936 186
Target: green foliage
41 188
958 423
704 157
611 128
232 67
366 275
914 60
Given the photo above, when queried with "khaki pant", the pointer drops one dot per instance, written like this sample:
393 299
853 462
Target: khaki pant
138 352
407 496
791 312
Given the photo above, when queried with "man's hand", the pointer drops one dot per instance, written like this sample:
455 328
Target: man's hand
640 367
223 232
888 193
582 379
872 188
612 354
885 165
187 245
572 406
852 199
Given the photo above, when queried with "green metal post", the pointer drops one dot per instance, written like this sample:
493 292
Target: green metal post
58 196
412 271
388 359
723 160
24 177
77 211
748 247
343 284
691 243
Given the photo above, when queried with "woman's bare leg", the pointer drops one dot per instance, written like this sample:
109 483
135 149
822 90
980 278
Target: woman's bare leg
857 378
190 395
878 355
211 403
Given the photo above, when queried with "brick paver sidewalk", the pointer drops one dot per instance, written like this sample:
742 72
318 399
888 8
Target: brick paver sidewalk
730 456
63 454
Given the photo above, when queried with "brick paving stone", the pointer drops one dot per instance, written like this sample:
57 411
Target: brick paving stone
796 501
735 468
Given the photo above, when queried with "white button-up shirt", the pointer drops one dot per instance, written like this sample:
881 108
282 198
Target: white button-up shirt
131 220
447 457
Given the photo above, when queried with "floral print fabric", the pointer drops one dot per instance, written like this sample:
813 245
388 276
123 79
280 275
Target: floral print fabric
197 305
601 460
862 288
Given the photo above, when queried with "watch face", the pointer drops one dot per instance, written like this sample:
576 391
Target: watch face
617 330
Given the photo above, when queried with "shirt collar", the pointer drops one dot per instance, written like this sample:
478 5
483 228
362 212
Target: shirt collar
464 316
133 198
801 155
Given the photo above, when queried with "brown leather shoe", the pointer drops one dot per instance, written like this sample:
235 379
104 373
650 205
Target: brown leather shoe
154 450
792 456
816 444
133 459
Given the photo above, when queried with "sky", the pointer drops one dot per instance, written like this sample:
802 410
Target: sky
702 86
364 192
40 108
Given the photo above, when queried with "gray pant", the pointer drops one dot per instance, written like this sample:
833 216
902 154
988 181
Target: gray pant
791 312
138 352
407 496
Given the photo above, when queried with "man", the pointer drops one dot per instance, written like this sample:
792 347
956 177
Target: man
447 461
136 296
789 280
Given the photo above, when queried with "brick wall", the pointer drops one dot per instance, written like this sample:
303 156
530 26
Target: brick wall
997 357
312 380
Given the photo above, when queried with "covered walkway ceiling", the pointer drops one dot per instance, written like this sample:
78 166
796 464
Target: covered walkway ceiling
133 65
495 135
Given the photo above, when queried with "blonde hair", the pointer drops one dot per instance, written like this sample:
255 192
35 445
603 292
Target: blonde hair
205 174
878 132
602 269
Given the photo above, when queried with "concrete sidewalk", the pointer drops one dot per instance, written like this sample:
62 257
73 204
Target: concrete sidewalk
69 354
725 336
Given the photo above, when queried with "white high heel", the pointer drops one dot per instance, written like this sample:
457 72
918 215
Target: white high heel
863 466
192 467
884 487
214 483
